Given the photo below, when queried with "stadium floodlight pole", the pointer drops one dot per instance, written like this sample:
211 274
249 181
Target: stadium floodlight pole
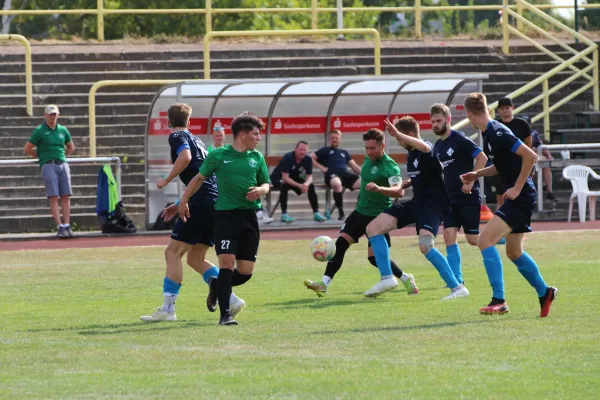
340 18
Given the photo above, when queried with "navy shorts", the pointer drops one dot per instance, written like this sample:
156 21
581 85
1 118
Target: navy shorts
355 226
466 216
198 228
348 178
423 215
517 215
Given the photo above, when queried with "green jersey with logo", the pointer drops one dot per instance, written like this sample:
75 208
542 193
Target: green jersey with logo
236 172
383 172
50 143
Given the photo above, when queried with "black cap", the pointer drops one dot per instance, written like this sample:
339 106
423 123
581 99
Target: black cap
505 101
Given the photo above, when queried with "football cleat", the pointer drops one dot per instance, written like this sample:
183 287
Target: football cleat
316 286
382 286
546 301
159 315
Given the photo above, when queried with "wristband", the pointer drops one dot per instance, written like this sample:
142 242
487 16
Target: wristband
177 202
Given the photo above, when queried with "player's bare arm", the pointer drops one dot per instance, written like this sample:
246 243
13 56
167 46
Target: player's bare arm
354 166
480 161
529 160
190 190
183 159
473 176
256 192
413 142
394 191
29 149
308 181
69 148
316 162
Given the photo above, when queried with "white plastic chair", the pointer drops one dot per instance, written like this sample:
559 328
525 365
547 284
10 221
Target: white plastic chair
578 175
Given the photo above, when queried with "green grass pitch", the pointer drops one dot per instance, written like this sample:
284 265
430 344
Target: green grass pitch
70 329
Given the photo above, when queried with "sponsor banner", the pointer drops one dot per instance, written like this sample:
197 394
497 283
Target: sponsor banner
358 123
160 126
298 125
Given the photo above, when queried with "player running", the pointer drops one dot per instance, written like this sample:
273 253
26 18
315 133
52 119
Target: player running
380 179
425 210
242 178
456 152
195 236
513 161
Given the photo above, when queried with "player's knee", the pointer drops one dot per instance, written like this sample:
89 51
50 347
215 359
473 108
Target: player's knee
239 278
472 239
372 261
513 254
426 243
172 253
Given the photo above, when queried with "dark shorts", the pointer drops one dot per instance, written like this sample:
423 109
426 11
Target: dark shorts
355 226
423 215
517 215
198 228
466 216
278 184
236 232
348 178
495 183
57 179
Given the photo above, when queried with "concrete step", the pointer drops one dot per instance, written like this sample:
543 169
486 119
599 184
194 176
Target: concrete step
193 64
77 131
121 143
78 190
68 120
77 98
41 223
76 179
39 200
81 109
34 170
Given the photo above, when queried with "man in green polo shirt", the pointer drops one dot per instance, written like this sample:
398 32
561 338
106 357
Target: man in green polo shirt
51 143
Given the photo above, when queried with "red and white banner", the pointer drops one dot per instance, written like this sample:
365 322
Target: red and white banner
160 126
357 123
298 125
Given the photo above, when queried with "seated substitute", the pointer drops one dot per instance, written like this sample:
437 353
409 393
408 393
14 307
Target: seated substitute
334 162
294 172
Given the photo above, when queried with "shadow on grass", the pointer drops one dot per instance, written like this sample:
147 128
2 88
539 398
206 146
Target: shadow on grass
313 303
404 328
109 329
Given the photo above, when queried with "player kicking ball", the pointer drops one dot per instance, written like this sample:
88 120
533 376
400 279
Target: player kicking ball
513 161
425 210
380 179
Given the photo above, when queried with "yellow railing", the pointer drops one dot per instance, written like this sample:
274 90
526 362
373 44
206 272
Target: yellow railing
544 80
101 84
28 70
366 31
100 11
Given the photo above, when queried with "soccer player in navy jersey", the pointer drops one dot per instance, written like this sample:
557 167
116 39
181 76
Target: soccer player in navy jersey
457 153
195 236
425 210
513 161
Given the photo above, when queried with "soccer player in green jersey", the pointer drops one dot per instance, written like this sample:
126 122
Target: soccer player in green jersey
380 179
242 178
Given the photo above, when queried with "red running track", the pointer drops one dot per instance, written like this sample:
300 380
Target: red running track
125 241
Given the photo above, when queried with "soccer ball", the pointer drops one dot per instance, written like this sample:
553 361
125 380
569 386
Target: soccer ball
322 248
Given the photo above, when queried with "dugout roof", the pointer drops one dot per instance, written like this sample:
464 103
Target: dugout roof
301 109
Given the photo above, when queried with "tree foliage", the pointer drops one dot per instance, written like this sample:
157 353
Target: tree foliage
64 26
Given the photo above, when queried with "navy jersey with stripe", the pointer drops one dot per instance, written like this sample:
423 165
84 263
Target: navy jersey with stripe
501 145
335 159
289 165
456 153
181 140
425 172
